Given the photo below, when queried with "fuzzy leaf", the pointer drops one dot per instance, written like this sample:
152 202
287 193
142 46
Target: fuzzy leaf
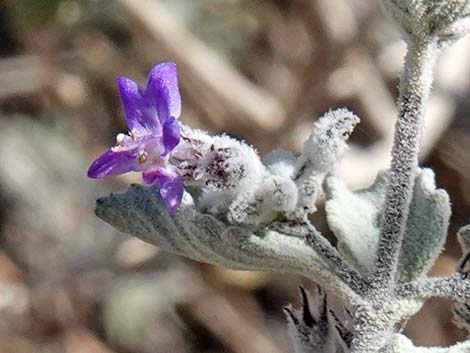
355 217
426 229
141 212
402 344
446 21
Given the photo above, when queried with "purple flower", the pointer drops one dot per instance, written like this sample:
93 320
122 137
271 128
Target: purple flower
151 115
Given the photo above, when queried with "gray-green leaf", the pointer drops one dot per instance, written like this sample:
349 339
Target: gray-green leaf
442 20
141 212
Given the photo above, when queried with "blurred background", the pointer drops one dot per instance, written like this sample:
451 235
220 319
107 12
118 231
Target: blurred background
261 70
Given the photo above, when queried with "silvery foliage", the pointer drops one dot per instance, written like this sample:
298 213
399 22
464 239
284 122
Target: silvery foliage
442 20
248 213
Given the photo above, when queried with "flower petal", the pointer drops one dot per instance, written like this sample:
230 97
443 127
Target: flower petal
141 114
171 184
113 163
171 135
131 96
163 92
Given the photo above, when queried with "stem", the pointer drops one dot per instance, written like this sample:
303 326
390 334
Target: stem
415 86
456 287
347 273
333 258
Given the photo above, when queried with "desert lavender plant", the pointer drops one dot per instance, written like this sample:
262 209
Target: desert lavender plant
246 213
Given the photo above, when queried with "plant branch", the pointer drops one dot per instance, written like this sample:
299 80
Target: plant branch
416 82
456 287
344 270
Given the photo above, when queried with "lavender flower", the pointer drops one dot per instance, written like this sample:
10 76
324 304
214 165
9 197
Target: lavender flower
151 115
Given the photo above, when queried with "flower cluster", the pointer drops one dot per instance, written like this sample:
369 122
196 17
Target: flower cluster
235 182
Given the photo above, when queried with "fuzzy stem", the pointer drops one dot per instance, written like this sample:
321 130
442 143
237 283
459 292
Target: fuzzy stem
415 86
368 340
347 273
339 265
456 287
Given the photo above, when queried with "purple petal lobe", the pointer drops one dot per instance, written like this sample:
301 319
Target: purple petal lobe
112 163
171 135
141 114
131 96
163 92
170 182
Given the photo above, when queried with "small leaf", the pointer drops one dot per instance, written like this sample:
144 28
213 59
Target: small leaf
426 229
354 218
463 236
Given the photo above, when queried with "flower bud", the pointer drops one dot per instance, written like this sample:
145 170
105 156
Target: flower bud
327 142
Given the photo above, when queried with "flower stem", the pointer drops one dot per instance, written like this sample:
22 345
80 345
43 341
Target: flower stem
415 86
